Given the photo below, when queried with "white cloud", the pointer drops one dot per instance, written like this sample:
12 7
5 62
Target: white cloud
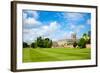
54 25
89 21
76 28
33 14
71 32
44 31
72 26
24 15
73 16
31 21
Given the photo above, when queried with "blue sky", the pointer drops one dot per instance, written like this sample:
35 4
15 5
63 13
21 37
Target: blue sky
54 25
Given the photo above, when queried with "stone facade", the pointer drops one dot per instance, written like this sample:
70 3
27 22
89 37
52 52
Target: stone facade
61 44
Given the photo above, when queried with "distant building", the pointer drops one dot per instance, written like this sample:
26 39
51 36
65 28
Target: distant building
65 43
60 44
73 37
55 45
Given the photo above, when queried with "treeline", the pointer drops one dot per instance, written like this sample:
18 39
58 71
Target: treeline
86 39
39 43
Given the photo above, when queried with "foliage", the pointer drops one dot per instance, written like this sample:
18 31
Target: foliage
42 43
39 42
34 45
47 43
25 45
74 44
82 43
85 37
84 40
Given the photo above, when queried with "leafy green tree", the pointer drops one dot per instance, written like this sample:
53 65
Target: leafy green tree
42 43
85 37
84 40
47 43
34 45
39 42
50 43
25 45
74 44
82 43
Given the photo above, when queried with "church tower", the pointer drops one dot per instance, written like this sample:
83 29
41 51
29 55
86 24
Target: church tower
73 37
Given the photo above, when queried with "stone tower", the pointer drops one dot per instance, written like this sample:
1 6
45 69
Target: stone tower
73 36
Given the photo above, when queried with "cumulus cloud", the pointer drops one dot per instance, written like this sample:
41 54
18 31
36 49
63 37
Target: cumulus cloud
44 31
31 22
30 19
76 28
33 27
54 25
31 13
72 16
51 31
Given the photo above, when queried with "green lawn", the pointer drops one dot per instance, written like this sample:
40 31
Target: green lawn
55 54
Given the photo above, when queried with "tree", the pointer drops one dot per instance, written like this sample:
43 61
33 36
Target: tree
85 36
39 42
50 44
74 44
82 43
42 43
34 45
47 43
25 45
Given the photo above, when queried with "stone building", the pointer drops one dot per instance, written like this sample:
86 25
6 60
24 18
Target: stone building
73 37
60 44
65 43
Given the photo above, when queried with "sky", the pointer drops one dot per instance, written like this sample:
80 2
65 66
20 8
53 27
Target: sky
54 25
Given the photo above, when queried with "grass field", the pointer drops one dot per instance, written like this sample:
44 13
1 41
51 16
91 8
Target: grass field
55 54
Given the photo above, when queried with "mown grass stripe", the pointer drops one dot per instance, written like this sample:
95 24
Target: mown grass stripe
54 54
